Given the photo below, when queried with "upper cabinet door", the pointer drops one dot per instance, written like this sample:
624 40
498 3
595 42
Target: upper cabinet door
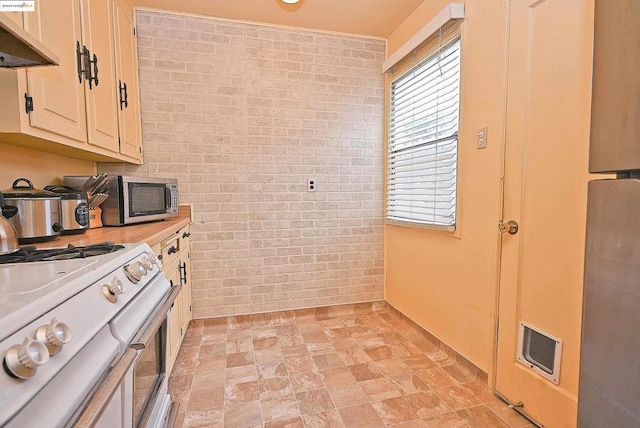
127 75
100 88
615 108
58 93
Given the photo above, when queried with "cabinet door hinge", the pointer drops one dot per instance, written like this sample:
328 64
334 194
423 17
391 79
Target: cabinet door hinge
190 308
28 103
134 31
141 149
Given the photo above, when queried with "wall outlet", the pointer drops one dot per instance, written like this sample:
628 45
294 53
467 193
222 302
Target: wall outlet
311 185
482 137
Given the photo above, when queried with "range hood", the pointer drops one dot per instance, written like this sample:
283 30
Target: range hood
20 49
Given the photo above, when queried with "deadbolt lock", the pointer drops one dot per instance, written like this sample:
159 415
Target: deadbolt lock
510 227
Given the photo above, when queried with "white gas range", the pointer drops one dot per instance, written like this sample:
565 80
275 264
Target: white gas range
83 340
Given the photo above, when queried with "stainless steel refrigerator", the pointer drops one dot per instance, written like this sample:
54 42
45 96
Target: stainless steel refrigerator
609 391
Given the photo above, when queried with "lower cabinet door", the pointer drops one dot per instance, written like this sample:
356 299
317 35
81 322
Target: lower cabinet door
174 318
175 327
186 291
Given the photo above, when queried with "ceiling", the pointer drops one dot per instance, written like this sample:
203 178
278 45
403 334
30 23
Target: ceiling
376 18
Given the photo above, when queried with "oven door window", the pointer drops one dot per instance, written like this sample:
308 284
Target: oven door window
148 373
148 199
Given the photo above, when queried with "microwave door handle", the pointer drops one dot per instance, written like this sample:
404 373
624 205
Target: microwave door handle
167 198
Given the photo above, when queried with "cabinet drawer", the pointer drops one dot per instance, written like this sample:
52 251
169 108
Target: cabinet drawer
170 248
185 239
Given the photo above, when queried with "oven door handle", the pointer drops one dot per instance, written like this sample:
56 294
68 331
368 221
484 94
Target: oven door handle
91 414
157 320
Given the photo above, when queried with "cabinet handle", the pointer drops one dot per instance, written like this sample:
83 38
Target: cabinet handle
93 61
84 62
82 55
28 103
123 94
160 258
172 250
183 273
120 96
186 234
86 67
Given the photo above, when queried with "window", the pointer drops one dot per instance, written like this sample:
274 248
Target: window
423 133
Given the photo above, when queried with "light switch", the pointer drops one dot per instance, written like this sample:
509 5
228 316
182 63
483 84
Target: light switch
482 137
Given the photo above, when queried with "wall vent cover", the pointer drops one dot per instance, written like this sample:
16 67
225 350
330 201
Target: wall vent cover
540 351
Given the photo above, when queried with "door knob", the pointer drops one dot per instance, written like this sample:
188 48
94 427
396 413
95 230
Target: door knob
510 227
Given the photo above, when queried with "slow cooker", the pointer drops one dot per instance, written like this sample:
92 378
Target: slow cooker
38 218
73 208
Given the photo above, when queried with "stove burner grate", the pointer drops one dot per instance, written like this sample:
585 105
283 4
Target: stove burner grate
32 254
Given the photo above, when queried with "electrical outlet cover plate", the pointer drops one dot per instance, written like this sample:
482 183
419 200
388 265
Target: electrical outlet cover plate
311 185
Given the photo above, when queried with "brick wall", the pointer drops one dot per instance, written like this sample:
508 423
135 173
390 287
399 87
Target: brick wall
243 115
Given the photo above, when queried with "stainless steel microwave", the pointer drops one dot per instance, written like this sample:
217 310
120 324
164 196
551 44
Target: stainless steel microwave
135 199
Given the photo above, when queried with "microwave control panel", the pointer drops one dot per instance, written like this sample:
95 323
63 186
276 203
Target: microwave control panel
174 199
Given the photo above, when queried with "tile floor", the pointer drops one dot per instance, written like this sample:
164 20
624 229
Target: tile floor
362 365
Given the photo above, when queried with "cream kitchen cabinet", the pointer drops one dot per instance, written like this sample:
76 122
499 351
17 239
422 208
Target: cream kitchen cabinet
175 256
175 316
87 107
126 49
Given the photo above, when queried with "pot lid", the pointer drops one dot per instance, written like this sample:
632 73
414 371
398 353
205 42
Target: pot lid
27 191
66 192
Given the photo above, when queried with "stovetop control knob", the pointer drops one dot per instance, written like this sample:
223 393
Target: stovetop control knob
135 271
22 361
146 263
54 336
152 259
112 290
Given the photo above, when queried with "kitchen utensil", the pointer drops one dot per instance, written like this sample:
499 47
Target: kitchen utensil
99 199
87 184
100 178
38 217
73 208
8 234
96 199
103 187
92 201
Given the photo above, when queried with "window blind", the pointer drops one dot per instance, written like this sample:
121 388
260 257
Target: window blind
423 133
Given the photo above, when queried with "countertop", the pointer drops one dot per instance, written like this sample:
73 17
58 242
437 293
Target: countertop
151 233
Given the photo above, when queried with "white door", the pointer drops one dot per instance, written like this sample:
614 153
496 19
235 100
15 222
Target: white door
547 138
